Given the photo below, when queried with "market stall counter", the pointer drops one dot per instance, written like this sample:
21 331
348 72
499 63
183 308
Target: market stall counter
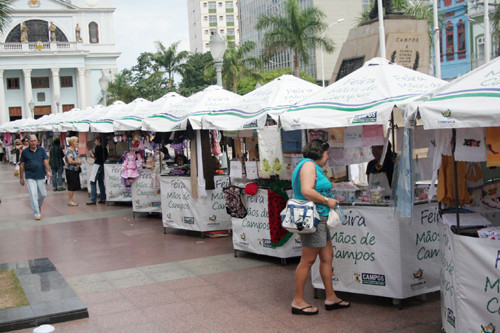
252 232
115 190
180 210
146 196
376 253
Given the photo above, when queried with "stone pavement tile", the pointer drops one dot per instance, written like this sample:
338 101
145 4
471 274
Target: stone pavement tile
110 307
119 320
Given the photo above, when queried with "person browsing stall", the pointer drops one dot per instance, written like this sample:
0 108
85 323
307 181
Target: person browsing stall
57 165
34 161
73 163
313 185
100 154
380 174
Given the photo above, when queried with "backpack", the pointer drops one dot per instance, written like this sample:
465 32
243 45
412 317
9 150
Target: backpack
234 204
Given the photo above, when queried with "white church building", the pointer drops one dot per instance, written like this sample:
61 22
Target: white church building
53 54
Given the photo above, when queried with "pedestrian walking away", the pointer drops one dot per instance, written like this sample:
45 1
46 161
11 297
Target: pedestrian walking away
313 185
100 155
57 165
34 163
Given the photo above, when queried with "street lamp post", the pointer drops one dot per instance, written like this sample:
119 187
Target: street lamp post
103 83
31 105
217 48
322 56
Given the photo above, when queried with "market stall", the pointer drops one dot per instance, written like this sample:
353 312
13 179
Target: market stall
256 110
146 188
199 202
466 113
376 252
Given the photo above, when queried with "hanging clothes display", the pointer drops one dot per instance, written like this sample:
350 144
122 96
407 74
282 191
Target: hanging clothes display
270 153
493 147
446 182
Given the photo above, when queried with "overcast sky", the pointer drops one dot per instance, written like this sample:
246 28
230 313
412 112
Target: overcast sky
138 24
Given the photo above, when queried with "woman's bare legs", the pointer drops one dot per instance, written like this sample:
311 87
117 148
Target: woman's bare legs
325 270
306 261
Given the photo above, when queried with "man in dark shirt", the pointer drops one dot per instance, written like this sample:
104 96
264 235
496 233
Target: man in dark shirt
100 155
35 163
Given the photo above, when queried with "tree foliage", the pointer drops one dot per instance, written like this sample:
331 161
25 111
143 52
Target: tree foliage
247 84
297 30
169 60
193 74
5 13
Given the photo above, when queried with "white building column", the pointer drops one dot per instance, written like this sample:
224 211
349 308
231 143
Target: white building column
4 112
88 84
82 90
56 90
28 94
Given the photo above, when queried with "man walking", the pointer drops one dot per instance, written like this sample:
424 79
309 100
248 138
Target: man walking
35 163
100 155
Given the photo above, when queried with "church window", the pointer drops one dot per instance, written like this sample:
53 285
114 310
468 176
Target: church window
93 32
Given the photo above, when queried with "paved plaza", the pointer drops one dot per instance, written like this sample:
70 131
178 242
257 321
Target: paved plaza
134 278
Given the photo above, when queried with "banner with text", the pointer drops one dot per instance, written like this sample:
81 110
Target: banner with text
251 233
470 283
181 211
145 197
376 254
115 190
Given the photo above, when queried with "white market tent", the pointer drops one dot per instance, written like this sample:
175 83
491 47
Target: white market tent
82 123
176 116
252 110
366 96
104 124
472 100
133 121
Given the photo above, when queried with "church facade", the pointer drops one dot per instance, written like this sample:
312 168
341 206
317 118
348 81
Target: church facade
53 54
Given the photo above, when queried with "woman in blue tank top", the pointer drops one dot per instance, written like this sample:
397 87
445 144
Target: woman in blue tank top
313 185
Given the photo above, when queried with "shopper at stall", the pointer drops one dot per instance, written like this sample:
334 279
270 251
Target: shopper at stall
57 165
72 169
380 174
18 148
313 185
100 155
34 161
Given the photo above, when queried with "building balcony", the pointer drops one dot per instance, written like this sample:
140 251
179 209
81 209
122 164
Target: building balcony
40 47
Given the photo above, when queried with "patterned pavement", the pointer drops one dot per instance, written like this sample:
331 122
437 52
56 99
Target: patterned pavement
134 278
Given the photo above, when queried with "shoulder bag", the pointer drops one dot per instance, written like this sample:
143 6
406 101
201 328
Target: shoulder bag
299 216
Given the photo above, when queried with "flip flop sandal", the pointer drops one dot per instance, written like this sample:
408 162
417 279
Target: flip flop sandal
337 305
302 311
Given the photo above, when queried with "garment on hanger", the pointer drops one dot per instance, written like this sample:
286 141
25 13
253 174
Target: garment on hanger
470 145
493 147
446 182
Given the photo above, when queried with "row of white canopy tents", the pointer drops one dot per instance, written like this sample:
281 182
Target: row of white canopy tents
366 96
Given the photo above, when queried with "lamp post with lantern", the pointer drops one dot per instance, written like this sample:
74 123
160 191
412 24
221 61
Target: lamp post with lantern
322 56
217 48
104 83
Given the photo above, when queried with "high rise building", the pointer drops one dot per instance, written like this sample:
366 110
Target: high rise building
53 53
206 18
319 61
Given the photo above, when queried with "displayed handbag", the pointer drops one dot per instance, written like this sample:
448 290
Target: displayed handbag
299 216
234 203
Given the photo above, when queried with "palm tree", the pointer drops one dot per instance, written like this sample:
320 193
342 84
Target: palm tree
169 59
298 30
5 13
495 21
236 64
